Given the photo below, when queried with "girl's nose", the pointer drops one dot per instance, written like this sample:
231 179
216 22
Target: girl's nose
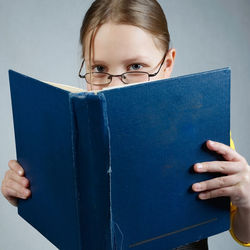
116 81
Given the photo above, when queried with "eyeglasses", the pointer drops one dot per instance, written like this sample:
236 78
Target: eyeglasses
102 78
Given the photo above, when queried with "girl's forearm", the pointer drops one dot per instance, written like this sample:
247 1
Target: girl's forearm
241 224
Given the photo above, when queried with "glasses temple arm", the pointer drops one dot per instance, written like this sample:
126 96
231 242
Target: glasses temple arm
79 74
152 75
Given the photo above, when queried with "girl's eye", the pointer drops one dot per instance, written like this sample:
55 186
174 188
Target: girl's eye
135 66
98 68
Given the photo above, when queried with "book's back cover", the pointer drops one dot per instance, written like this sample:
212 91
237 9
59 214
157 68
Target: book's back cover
43 132
157 133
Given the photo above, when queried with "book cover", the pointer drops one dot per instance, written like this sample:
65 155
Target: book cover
113 169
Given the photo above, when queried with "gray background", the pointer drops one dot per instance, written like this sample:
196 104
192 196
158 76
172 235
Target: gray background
40 38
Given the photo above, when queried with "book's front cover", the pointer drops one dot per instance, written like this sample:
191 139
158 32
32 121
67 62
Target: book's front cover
43 133
157 133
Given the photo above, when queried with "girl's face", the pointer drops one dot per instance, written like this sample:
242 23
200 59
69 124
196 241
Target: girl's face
120 48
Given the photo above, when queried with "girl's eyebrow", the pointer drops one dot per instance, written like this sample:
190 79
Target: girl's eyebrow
137 59
133 59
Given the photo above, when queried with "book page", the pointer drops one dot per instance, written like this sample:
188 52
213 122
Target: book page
79 90
66 87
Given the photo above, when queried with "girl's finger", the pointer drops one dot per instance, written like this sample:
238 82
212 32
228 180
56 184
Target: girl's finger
224 167
216 183
14 189
228 153
15 166
23 181
222 192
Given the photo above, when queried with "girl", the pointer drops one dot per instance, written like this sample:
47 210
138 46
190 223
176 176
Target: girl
127 41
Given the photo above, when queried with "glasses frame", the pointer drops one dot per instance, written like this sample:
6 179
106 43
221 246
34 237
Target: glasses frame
110 76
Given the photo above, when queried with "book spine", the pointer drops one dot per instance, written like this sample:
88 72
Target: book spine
92 161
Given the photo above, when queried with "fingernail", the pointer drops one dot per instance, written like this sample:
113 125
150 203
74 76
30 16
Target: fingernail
197 186
199 166
20 172
26 192
211 142
202 196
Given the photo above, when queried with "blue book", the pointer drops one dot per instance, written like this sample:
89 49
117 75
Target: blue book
113 169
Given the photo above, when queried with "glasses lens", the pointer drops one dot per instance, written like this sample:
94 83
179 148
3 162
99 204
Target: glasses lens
135 77
98 78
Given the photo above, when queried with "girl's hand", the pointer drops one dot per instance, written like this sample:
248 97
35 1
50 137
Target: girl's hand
236 183
14 184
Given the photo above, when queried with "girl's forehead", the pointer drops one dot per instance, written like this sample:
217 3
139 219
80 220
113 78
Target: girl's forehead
122 40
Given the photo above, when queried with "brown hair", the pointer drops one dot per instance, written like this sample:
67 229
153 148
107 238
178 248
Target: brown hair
145 14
